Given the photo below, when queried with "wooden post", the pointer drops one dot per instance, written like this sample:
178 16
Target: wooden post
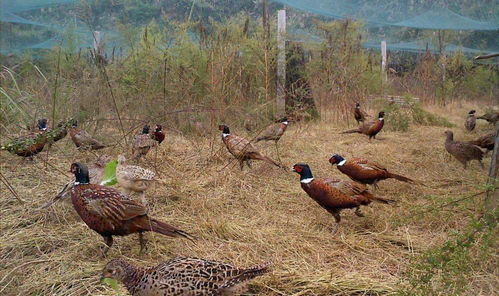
99 47
492 197
281 63
383 61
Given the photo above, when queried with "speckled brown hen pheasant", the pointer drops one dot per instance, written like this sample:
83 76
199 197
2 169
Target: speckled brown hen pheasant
134 178
486 142
462 151
242 149
365 171
142 143
492 117
335 195
470 121
370 129
108 212
183 276
82 139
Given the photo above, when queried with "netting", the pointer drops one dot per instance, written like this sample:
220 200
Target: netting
43 24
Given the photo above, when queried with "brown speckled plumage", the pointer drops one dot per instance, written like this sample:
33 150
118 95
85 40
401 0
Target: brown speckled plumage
485 142
359 115
82 139
109 212
335 195
492 117
242 149
182 276
470 121
274 131
462 151
142 143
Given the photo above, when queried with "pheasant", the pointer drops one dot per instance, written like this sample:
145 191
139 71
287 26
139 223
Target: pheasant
82 139
486 142
371 128
462 151
274 133
108 212
360 116
182 276
31 144
134 178
492 117
365 171
335 195
242 149
95 173
470 122
143 143
158 134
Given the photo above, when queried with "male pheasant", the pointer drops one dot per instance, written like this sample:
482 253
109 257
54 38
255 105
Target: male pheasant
30 144
242 149
365 171
335 195
158 134
109 212
359 115
370 129
182 276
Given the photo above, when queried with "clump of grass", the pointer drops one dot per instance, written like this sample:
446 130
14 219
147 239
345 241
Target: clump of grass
423 117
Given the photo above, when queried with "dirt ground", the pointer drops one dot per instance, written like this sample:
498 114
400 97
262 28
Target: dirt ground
250 217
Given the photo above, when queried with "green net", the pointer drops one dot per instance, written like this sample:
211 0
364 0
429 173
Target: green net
407 25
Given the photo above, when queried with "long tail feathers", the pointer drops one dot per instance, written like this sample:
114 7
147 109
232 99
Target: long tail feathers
405 179
267 159
166 229
383 200
352 131
246 275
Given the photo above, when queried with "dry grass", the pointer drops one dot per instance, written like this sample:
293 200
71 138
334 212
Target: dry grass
248 217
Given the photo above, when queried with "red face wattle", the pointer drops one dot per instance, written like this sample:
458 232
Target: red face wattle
221 127
297 168
332 160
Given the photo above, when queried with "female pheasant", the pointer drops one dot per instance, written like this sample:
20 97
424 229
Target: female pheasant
134 178
365 171
242 149
335 195
82 139
109 212
462 151
470 122
182 276
142 143
371 128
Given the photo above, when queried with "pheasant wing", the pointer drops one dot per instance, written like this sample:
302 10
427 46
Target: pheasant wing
109 203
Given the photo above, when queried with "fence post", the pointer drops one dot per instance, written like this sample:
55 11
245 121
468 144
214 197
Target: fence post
383 61
281 63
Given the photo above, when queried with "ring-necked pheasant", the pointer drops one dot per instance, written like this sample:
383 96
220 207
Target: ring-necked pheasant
365 171
242 149
492 117
95 173
359 115
462 151
371 128
82 139
31 144
134 178
335 195
470 122
274 132
143 143
183 276
158 134
109 212
486 142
